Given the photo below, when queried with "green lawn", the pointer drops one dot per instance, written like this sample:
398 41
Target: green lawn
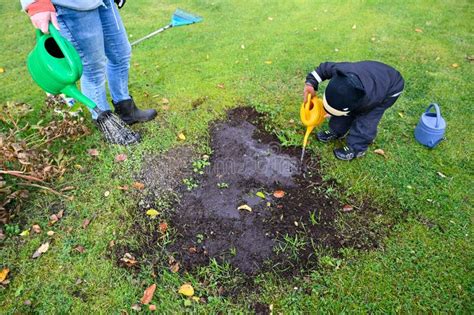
261 52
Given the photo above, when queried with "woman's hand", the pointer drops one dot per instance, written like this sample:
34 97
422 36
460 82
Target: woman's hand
41 20
308 89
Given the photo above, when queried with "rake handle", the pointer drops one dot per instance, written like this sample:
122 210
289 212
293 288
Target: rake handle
152 34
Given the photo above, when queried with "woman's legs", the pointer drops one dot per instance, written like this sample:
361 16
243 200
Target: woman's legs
84 30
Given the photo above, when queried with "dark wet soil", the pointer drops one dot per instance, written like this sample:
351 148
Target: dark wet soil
284 234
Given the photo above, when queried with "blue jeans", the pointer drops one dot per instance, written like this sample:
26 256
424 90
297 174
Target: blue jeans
101 41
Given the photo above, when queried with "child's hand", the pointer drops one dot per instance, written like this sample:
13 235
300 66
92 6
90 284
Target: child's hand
308 89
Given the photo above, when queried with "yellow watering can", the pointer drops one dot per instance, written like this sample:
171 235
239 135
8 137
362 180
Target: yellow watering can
311 115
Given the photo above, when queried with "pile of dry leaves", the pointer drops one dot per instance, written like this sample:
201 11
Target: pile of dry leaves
26 161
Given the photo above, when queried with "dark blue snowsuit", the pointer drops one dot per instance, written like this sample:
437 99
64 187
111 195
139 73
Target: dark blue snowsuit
382 84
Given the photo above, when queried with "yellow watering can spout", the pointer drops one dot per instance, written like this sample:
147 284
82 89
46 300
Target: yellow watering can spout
311 115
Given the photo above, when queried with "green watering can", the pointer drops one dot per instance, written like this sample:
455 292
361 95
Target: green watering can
56 66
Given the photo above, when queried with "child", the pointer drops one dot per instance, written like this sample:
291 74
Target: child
356 97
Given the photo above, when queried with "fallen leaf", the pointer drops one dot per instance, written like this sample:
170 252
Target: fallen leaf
441 175
129 260
174 267
106 193
186 289
68 188
41 250
85 223
380 152
138 185
418 30
270 18
53 219
165 101
136 307
278 194
124 187
245 207
268 62
25 233
50 233
347 208
4 274
455 65
242 46
336 50
111 243
192 250
152 307
372 39
260 194
80 249
165 107
60 214
296 223
2 70
93 152
181 136
120 157
36 228
221 86
152 213
163 227
354 27
400 114
148 294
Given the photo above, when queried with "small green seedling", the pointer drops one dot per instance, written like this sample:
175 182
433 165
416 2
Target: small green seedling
199 165
190 183
222 185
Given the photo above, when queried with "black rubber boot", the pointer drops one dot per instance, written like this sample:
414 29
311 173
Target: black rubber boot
130 113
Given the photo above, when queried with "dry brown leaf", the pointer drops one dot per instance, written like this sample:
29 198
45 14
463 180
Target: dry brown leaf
148 294
50 233
221 86
278 194
124 187
60 214
418 30
53 219
174 267
181 136
4 274
41 250
380 152
80 249
455 65
85 223
136 307
192 250
165 101
129 260
347 208
165 107
120 157
36 228
93 152
138 185
163 227
68 188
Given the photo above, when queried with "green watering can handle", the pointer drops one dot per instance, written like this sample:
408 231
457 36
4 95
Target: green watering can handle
64 49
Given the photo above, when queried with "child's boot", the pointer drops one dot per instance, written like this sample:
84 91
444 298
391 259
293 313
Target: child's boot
347 153
327 135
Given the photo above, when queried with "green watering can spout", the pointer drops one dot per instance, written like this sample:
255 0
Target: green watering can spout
55 66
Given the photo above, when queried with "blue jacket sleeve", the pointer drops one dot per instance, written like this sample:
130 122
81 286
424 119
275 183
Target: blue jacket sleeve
323 72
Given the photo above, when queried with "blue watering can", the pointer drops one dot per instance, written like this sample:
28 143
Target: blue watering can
431 127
